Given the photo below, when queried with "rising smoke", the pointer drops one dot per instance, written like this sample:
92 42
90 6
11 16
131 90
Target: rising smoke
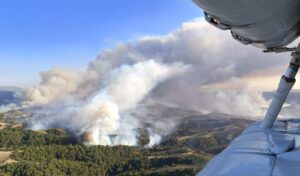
97 117
196 67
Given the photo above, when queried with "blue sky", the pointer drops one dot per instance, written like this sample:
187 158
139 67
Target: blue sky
37 35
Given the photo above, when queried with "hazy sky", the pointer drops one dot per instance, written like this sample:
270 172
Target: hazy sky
36 35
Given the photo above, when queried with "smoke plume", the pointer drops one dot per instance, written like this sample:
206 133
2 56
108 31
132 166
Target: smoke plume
97 119
196 67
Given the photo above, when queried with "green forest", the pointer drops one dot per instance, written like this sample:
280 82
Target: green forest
56 152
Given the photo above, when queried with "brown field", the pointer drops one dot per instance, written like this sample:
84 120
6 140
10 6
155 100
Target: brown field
4 156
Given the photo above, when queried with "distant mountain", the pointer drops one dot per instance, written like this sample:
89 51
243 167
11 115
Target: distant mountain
9 95
11 88
210 133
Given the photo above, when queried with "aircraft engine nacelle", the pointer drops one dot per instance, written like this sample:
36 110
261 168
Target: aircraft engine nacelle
262 23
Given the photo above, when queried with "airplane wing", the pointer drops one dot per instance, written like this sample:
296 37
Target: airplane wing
266 148
260 152
263 23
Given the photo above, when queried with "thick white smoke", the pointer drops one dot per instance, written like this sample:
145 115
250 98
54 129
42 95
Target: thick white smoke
222 78
98 119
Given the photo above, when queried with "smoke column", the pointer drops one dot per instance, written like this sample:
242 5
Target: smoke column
97 119
196 67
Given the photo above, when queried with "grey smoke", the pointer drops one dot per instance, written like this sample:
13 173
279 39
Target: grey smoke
98 116
185 68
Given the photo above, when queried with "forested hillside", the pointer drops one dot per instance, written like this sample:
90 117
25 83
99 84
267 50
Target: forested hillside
185 151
